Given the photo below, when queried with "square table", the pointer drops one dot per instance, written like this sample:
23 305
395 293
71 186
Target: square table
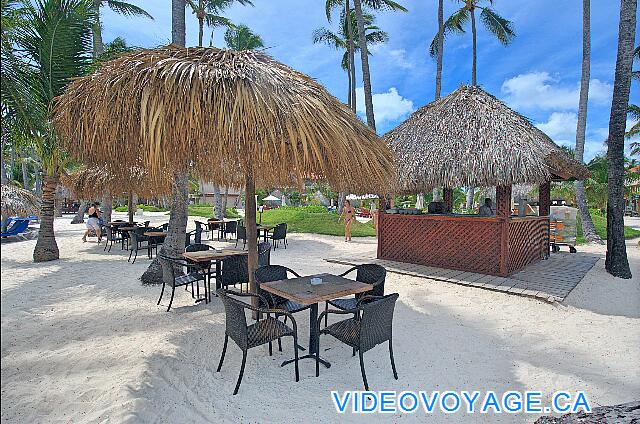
265 228
207 256
301 290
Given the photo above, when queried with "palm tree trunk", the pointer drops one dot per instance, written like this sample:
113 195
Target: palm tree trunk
79 216
352 58
616 262
176 233
107 203
349 98
436 194
471 191
473 48
178 28
364 56
200 30
225 201
25 173
98 46
440 47
217 202
38 182
588 228
46 247
5 179
131 207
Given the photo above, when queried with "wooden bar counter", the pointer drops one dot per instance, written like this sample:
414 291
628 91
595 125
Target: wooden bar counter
489 245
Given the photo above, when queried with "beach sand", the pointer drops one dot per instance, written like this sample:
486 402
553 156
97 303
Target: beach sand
83 341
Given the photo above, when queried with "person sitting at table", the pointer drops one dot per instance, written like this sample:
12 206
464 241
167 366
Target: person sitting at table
487 209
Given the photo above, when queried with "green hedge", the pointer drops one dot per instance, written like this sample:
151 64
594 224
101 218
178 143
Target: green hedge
315 220
146 208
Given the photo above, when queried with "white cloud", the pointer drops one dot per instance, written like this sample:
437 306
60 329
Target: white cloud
539 90
394 57
389 106
560 126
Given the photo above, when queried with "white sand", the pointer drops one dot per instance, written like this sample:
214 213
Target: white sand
83 341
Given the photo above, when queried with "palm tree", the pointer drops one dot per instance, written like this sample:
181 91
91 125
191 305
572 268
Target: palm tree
241 37
500 27
117 6
178 216
362 43
342 39
588 228
346 11
616 262
55 41
208 12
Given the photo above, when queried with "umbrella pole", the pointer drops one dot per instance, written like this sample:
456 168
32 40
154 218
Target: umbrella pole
250 225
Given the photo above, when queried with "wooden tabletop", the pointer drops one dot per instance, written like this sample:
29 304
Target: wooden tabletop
210 255
155 234
128 228
120 223
301 291
215 221
265 227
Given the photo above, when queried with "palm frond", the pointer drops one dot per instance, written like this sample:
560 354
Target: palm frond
330 5
213 21
502 28
331 39
384 5
127 9
454 23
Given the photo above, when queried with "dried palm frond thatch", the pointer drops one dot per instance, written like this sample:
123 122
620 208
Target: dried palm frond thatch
223 113
92 183
18 201
470 138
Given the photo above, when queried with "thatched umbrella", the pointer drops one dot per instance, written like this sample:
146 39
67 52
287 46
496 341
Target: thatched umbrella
18 201
94 182
471 139
235 118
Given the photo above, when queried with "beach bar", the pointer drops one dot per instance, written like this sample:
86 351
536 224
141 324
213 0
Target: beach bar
471 139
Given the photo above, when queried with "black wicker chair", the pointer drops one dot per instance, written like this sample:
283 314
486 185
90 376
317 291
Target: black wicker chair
172 275
234 270
204 267
279 234
202 227
112 236
263 331
264 253
241 234
230 227
370 325
137 241
373 274
214 227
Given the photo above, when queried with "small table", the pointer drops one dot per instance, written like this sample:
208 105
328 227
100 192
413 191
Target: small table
124 230
265 228
300 290
208 256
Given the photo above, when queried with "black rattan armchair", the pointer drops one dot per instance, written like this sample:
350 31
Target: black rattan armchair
279 234
235 270
202 227
230 227
203 267
241 234
112 236
366 273
263 331
264 253
370 325
138 241
172 276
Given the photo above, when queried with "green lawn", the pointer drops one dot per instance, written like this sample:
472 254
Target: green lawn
314 219
600 222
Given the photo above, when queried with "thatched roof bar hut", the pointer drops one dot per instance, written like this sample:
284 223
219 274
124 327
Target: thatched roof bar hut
471 139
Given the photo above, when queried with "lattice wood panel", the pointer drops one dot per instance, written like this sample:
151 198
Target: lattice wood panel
464 244
528 242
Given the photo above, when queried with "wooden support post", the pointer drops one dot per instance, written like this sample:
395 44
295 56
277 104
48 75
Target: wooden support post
447 198
380 223
503 201
131 208
544 199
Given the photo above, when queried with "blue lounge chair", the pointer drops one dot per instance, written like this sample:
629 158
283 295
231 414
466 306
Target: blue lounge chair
18 226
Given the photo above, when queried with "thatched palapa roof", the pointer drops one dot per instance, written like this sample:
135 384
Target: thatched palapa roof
92 183
470 138
225 115
18 201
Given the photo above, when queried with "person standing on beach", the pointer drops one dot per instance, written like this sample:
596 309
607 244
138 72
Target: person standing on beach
93 222
348 214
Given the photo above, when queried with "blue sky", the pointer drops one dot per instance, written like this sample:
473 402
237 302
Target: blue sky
537 75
